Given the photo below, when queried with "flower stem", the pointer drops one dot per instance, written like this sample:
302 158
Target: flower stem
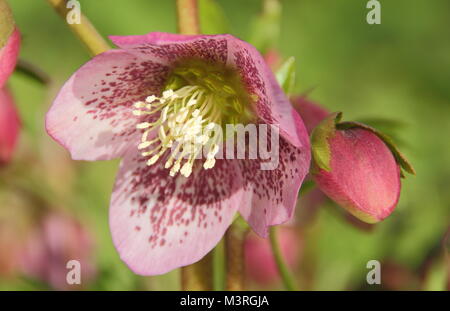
32 71
285 274
188 19
234 245
198 276
85 31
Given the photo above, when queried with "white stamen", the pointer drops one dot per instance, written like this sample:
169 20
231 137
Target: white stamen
179 125
186 170
153 159
143 125
167 94
144 145
139 104
209 163
150 99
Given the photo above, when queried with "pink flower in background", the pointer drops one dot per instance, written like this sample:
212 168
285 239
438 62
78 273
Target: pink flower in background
8 56
259 261
312 113
9 126
9 50
53 243
135 102
357 168
9 42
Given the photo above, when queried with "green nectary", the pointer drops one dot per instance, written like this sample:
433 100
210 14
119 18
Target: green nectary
221 84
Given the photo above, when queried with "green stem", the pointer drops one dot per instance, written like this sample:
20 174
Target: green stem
218 264
285 274
198 276
234 245
85 31
188 19
32 71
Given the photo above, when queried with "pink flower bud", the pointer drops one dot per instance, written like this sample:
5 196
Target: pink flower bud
9 126
259 260
357 167
273 59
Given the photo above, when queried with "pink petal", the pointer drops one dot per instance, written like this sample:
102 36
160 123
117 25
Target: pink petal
272 106
92 114
9 126
169 48
271 195
8 56
159 223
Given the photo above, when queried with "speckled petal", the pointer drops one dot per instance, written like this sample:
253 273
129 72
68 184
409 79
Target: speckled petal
270 103
92 114
270 195
159 223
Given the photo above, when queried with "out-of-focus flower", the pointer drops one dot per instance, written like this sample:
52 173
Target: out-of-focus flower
312 113
9 43
396 276
15 224
9 126
161 90
259 261
9 50
357 167
54 242
273 59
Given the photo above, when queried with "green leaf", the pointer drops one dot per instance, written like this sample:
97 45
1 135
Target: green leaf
286 75
265 28
212 18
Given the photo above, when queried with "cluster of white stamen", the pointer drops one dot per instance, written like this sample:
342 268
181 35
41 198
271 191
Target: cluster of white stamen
186 118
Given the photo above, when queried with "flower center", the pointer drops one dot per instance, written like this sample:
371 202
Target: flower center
198 99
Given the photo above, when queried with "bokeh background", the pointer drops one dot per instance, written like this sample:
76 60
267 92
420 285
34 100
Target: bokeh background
396 74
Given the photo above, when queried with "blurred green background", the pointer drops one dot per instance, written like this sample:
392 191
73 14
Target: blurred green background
399 70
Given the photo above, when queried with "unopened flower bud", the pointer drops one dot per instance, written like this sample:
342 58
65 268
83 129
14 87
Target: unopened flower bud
358 167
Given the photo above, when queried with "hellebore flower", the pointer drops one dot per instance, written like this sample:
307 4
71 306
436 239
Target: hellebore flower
9 126
56 241
157 90
9 43
358 167
259 260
